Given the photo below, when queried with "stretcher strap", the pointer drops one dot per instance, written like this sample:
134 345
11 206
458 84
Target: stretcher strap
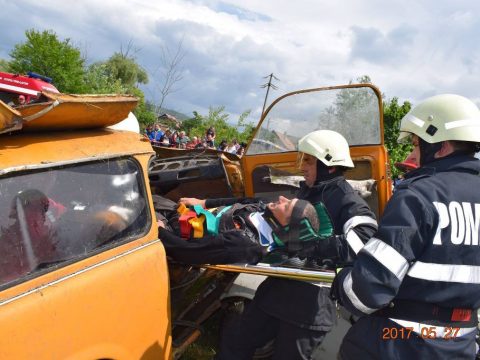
209 218
213 221
197 225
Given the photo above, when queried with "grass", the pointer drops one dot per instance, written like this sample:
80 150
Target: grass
206 345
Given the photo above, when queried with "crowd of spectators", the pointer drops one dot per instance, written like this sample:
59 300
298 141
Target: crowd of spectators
179 139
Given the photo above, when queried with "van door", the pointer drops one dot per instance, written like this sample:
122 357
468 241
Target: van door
355 111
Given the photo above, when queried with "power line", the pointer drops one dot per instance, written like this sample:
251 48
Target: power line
268 85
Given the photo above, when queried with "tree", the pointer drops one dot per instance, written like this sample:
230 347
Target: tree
45 54
393 113
171 72
3 65
363 106
121 74
358 107
354 113
144 114
194 126
198 125
248 127
124 68
99 80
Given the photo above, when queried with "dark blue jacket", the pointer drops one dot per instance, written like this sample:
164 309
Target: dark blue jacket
426 250
305 304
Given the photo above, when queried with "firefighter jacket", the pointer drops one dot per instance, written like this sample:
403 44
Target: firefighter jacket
305 304
422 266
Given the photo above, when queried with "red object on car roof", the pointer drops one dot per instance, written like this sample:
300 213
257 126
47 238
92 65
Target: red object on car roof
29 85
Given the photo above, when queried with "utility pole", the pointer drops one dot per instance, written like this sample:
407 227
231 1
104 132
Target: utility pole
268 85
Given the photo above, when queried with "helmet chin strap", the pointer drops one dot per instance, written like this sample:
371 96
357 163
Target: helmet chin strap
271 219
428 151
323 172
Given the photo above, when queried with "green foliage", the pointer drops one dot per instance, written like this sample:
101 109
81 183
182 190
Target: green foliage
393 113
98 80
144 115
45 54
126 69
358 107
364 79
198 125
354 113
4 65
120 74
248 127
206 346
194 125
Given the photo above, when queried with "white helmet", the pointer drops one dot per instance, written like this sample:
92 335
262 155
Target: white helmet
441 118
328 146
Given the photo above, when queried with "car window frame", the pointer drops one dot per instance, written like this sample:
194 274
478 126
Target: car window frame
101 249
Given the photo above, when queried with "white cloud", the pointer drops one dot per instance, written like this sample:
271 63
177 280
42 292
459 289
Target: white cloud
410 49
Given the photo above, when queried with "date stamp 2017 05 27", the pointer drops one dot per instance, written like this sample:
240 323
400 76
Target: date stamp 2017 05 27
426 332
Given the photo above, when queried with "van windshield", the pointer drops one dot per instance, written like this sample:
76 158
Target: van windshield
354 112
51 217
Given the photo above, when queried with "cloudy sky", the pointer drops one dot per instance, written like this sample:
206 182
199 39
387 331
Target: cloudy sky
410 49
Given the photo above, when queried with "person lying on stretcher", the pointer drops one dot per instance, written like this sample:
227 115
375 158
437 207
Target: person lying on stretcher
239 230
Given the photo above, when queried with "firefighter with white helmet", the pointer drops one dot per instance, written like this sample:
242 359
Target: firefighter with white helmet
298 314
328 146
416 283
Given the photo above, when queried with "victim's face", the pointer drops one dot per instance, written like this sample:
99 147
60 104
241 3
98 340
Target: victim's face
282 209
309 169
